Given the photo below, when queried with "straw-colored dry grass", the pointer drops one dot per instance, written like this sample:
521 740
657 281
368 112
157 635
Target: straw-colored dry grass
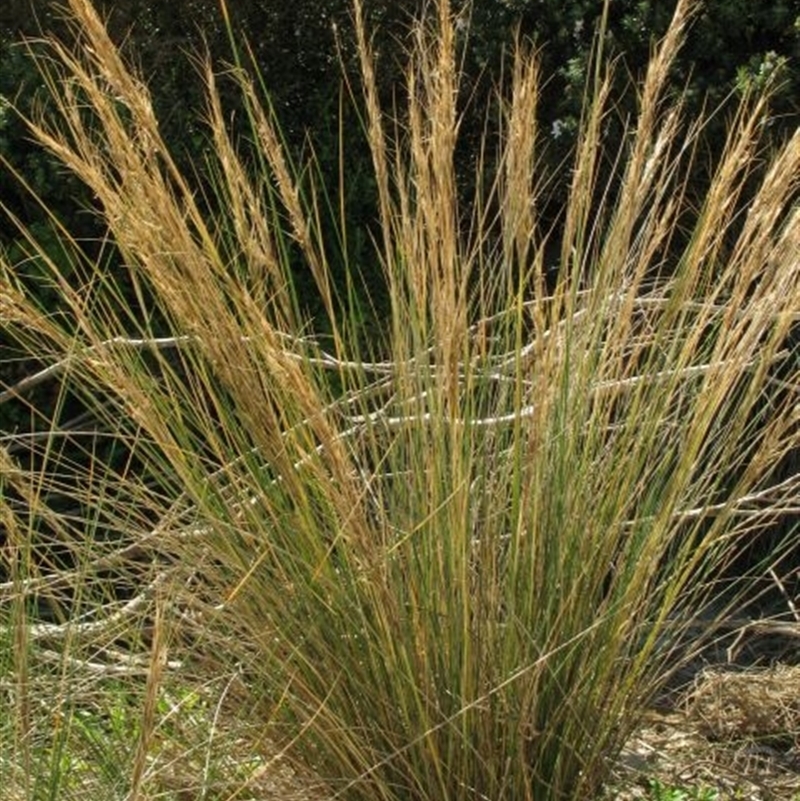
734 735
761 704
460 572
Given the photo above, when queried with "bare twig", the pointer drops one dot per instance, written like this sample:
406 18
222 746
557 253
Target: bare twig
75 629
790 602
54 370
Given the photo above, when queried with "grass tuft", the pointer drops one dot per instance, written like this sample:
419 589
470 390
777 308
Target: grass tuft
460 571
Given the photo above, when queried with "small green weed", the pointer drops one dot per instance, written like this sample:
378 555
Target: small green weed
658 791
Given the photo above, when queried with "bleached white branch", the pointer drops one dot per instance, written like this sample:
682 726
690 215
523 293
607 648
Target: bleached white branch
82 627
55 369
691 371
325 359
783 497
133 665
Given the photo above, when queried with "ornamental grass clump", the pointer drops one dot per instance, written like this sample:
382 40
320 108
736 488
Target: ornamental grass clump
455 565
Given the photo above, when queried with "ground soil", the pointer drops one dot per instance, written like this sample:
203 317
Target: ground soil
727 726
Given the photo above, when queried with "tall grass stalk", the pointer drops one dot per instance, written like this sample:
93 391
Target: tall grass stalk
460 571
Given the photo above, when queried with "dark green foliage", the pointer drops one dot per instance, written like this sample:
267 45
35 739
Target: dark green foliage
733 45
20 94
